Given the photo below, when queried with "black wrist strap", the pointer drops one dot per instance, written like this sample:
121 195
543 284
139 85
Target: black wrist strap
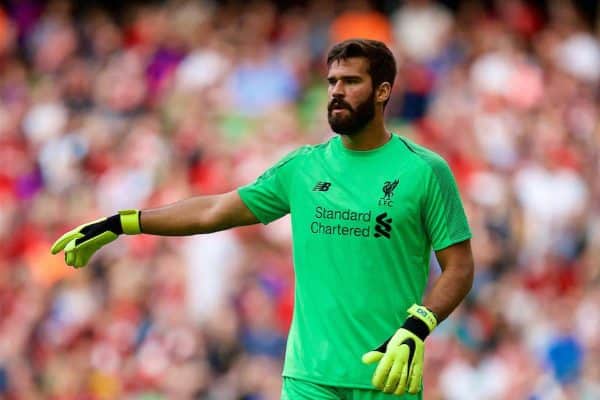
114 224
412 324
416 326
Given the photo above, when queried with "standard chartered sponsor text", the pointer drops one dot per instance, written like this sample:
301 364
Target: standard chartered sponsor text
357 223
343 215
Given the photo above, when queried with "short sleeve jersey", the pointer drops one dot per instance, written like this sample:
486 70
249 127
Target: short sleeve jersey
363 226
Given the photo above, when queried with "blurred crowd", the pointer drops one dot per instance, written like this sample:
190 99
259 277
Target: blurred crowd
104 109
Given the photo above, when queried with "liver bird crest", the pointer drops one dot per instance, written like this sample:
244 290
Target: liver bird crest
388 189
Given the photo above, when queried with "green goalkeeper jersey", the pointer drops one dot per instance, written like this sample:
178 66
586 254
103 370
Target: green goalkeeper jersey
363 225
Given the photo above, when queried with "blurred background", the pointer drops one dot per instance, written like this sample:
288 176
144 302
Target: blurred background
106 105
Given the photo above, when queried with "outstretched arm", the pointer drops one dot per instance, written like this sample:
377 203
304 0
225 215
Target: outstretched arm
202 214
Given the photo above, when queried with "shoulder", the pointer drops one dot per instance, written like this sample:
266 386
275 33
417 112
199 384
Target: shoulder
429 159
304 152
297 158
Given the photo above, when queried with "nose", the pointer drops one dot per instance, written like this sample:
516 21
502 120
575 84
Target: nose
337 91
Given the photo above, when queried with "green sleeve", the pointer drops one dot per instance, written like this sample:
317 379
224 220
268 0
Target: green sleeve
268 196
444 215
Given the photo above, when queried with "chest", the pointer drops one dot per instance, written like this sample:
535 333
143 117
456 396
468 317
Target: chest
358 195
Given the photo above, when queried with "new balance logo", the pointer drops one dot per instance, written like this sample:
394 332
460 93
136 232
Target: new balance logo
383 226
322 186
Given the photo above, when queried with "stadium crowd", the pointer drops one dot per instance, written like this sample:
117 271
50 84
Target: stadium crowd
101 111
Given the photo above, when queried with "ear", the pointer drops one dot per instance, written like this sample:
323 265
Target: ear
383 92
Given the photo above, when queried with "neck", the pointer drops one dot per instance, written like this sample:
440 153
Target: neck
370 137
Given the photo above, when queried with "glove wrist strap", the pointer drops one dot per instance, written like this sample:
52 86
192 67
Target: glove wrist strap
113 224
130 221
416 326
421 321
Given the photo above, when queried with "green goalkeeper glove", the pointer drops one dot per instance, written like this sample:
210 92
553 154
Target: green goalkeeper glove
401 356
82 242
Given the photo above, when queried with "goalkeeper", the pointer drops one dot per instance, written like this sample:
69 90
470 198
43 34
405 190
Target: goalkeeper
367 208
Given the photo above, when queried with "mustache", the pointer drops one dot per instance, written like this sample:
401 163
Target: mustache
337 104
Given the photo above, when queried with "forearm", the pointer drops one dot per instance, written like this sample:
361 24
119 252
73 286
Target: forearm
447 293
453 284
184 217
202 214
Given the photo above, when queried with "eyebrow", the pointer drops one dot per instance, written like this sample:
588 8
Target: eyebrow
343 77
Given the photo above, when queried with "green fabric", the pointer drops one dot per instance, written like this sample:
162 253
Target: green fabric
296 389
363 225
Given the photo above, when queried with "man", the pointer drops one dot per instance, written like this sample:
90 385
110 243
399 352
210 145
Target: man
367 207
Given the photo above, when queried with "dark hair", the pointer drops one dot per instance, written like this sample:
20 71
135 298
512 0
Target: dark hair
382 65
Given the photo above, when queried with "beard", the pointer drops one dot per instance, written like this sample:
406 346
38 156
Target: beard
354 120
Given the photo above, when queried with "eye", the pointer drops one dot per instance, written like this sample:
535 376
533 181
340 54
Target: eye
331 81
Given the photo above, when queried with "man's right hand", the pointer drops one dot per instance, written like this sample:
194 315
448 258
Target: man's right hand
82 242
